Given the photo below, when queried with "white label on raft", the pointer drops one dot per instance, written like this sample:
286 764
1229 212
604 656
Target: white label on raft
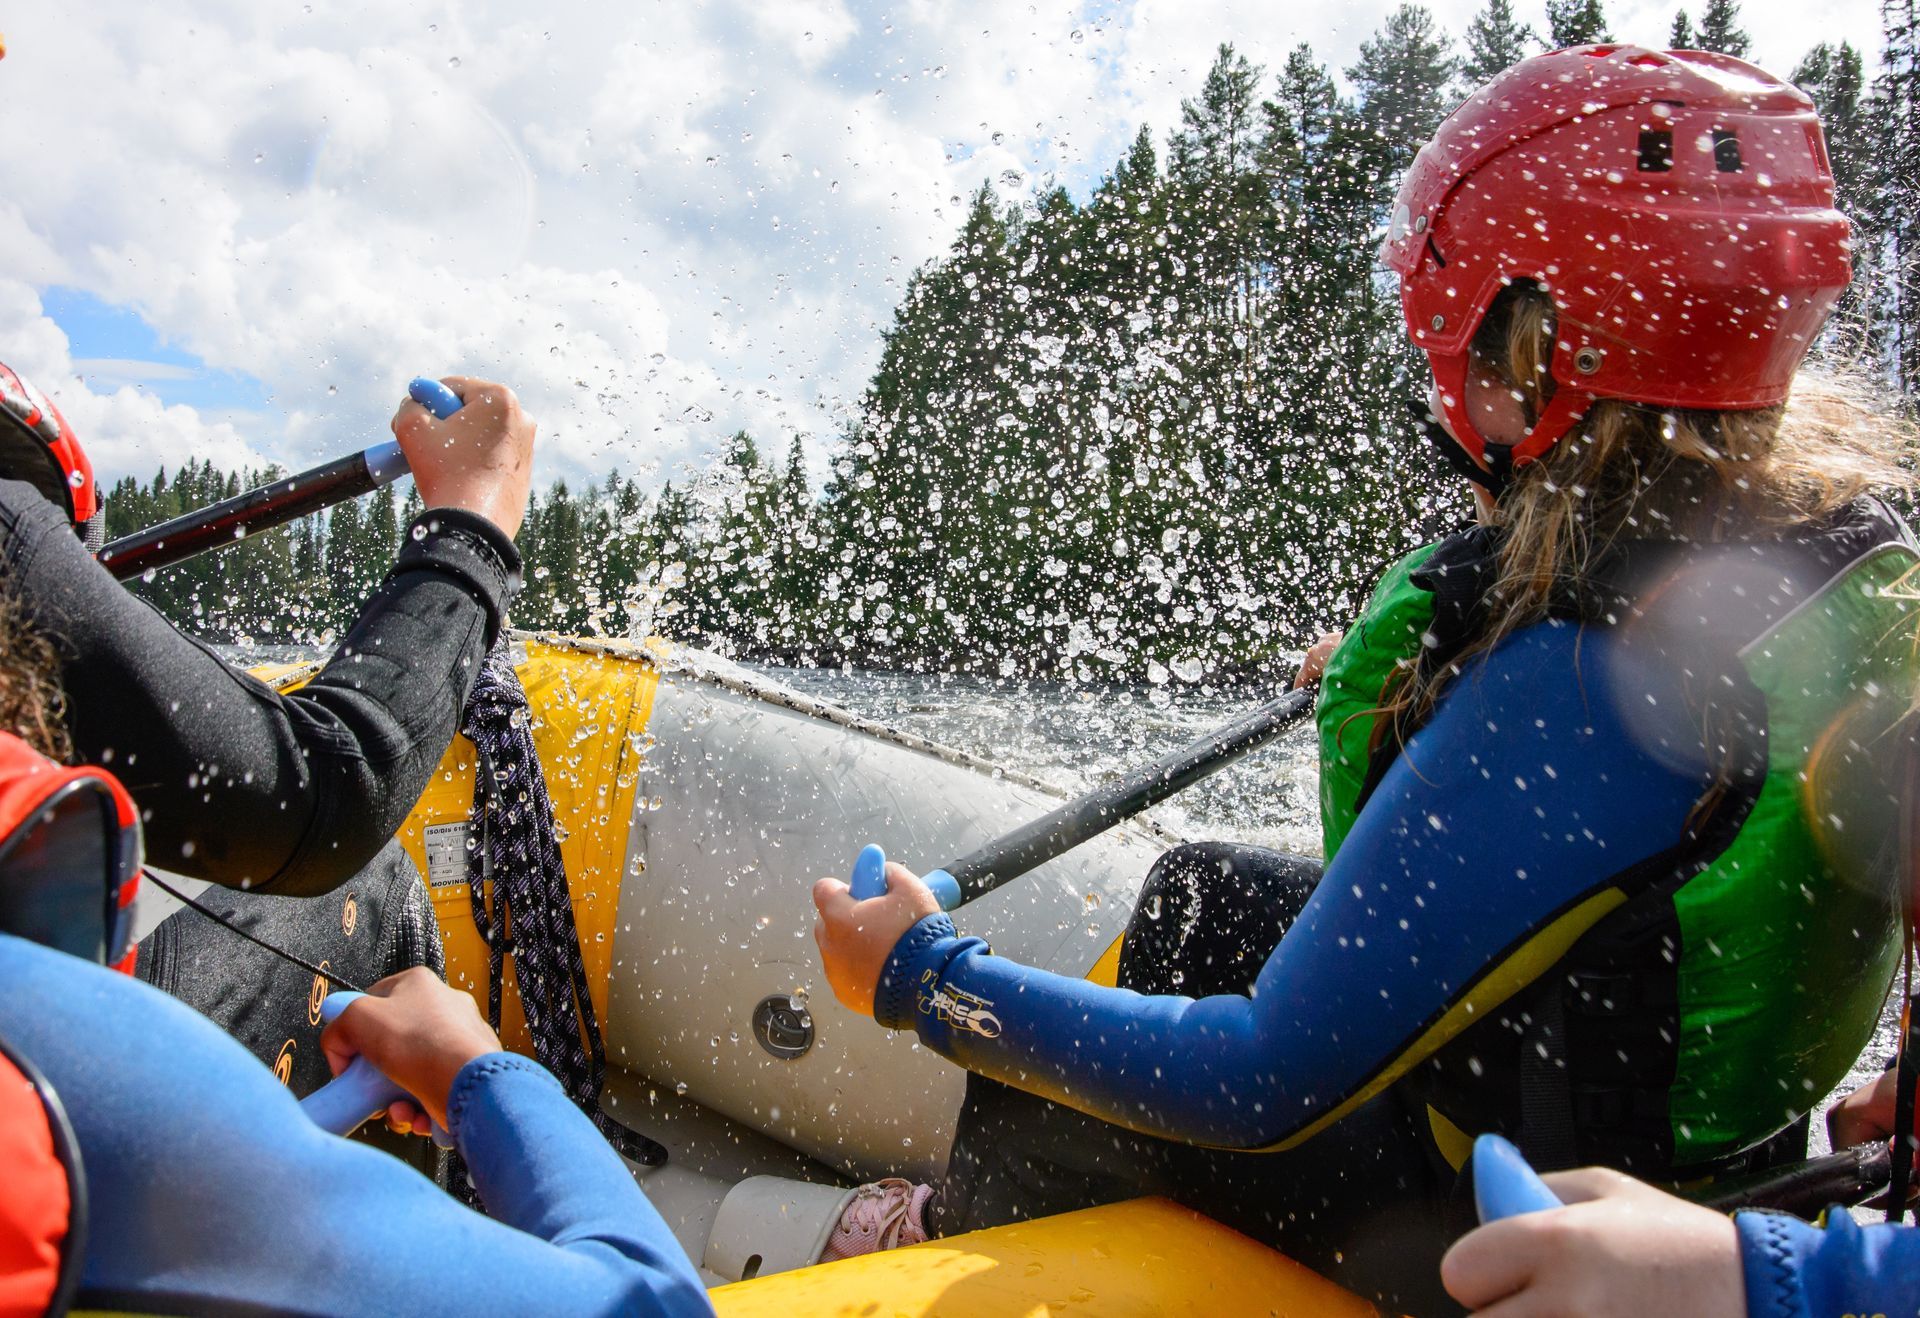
447 853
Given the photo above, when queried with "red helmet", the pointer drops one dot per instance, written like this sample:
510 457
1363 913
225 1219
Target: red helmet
1677 207
39 447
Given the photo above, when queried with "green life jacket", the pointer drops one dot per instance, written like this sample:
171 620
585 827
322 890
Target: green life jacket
1384 639
1715 1009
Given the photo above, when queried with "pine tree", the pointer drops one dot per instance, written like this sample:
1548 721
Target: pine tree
1216 135
1400 82
1575 23
1896 157
348 569
1834 77
1682 36
1720 29
792 545
1213 162
627 549
383 529
1331 378
561 600
1496 41
671 528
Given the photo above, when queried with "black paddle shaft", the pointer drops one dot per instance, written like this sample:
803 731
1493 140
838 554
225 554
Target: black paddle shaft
1805 1189
247 513
1053 834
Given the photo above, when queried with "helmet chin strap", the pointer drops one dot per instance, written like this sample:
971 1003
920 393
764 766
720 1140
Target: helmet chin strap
1492 478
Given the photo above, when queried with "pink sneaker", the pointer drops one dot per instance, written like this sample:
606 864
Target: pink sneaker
883 1215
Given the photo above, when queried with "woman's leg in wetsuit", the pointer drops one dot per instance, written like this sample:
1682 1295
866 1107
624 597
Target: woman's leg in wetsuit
1210 915
1344 1202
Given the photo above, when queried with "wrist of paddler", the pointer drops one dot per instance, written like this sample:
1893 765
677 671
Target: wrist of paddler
856 938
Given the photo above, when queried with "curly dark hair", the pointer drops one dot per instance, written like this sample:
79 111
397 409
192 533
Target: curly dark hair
33 706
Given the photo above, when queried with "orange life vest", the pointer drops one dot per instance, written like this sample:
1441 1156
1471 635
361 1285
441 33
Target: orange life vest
43 1210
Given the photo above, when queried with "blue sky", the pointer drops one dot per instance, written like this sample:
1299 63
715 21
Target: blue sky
113 345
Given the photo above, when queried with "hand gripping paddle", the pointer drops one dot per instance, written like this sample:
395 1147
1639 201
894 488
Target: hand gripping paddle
1503 1184
357 1094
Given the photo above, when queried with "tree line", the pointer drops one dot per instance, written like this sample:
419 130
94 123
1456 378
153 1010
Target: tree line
1161 432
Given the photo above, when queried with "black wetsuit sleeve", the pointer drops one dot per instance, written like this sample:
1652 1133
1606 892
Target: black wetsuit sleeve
289 794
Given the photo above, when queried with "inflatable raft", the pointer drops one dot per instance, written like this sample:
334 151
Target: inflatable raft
695 804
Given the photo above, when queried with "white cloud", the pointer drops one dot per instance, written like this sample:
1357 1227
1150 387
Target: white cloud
659 222
129 370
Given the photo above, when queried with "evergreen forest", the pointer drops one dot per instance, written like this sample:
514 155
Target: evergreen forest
1161 433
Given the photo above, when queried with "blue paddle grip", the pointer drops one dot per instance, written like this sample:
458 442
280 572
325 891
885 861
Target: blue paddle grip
1503 1184
869 879
434 396
357 1094
945 887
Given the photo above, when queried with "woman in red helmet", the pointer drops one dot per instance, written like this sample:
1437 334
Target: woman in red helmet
1573 891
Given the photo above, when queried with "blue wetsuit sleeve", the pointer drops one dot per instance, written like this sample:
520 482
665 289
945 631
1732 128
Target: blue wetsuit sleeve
542 1168
209 1190
1492 842
1794 1270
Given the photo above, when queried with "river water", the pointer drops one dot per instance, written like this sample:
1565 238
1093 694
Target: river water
1074 737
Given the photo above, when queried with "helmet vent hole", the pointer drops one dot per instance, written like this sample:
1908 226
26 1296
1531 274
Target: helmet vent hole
1656 150
1726 151
1587 360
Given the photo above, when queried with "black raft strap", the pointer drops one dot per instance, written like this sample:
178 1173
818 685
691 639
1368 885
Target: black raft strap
516 854
1546 1085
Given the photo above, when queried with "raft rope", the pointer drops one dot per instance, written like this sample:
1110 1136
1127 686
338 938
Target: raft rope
513 857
